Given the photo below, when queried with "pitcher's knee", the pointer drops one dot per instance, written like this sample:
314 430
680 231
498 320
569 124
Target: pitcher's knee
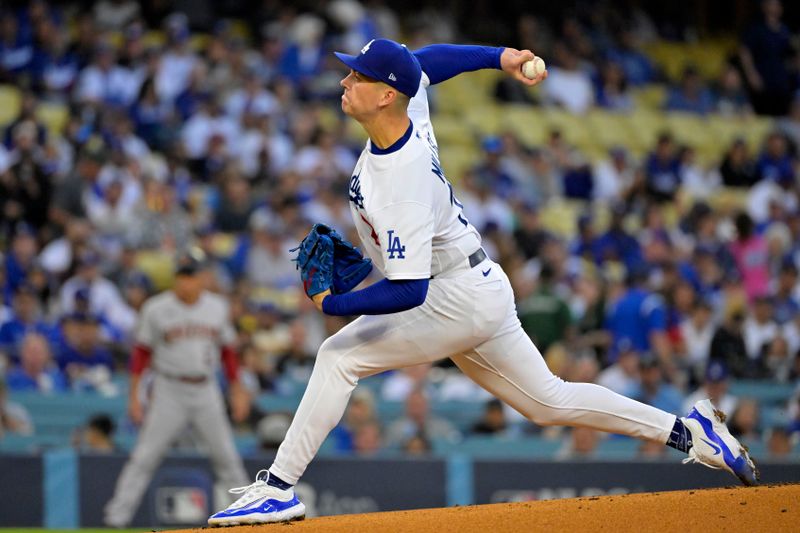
332 358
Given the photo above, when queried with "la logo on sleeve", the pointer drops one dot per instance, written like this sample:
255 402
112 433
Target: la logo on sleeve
395 246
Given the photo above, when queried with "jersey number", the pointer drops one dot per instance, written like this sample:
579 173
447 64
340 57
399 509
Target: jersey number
437 169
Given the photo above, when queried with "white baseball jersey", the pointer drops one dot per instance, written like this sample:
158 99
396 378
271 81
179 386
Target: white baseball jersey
408 218
411 225
185 339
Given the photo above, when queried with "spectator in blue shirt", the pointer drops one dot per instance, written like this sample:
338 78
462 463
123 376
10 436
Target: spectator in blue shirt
663 170
81 357
617 244
691 96
20 259
637 66
26 319
490 171
35 371
775 162
784 302
55 68
640 316
16 51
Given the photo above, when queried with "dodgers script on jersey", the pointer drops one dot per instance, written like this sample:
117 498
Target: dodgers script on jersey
185 339
405 210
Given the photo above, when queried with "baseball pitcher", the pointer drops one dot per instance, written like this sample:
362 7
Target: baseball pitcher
441 295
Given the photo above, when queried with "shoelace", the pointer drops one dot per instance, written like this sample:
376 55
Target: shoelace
249 492
694 459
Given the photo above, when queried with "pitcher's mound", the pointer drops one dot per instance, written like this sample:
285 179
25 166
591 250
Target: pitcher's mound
771 508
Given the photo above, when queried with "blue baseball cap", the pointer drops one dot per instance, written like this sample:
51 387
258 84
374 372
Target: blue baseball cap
389 62
716 371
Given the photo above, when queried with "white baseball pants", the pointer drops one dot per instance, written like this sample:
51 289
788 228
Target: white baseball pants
470 317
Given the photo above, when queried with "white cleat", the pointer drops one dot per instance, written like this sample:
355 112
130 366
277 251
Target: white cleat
714 446
260 504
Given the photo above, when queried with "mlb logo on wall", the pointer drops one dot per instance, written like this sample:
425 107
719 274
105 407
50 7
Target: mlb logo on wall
395 246
181 505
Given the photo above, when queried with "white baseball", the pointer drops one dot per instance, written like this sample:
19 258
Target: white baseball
533 68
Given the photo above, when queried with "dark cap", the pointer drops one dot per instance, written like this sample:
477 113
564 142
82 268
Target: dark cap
89 258
716 371
25 288
648 360
190 262
83 318
389 62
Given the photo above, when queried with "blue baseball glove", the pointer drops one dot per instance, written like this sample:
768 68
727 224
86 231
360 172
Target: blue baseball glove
328 261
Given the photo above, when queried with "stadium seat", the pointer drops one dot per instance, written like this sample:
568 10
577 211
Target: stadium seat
271 403
617 448
10 101
456 160
502 448
609 129
157 265
526 122
646 126
487 120
560 216
450 131
668 56
154 38
650 96
766 392
53 115
690 129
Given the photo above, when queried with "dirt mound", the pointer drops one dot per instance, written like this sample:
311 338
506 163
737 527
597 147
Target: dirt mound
771 508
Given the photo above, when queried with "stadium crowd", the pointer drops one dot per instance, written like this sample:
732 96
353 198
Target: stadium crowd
231 140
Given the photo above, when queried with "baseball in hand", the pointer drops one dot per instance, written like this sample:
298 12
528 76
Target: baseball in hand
533 68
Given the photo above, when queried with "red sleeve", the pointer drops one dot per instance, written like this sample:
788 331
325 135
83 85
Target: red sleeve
230 363
140 358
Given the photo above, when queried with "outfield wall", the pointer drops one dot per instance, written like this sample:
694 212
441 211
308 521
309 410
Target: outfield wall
61 489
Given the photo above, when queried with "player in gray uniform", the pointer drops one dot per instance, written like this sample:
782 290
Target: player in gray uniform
182 334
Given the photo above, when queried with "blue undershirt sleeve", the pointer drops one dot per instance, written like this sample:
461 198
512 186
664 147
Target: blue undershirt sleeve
444 61
381 298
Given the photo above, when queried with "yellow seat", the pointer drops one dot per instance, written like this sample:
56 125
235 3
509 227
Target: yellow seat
669 57
729 200
154 38
609 129
10 102
560 216
158 266
689 128
646 126
53 115
485 120
199 41
485 80
452 130
651 96
355 132
456 160
572 127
